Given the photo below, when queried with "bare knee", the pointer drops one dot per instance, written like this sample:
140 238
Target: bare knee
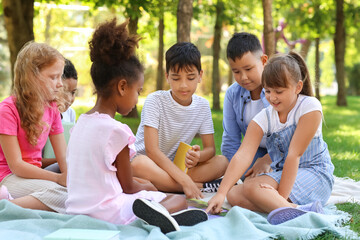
235 196
223 163
250 189
141 164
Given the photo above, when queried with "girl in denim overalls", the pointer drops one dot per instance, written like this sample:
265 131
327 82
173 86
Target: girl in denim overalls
302 176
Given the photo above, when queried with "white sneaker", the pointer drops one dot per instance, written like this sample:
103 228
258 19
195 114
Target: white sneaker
155 214
190 217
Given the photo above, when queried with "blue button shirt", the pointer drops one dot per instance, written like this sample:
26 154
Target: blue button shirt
234 124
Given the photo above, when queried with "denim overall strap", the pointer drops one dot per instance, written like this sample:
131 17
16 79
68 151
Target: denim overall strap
278 143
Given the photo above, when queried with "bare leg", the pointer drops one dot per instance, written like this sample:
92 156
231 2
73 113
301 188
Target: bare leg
265 199
144 167
31 202
236 197
174 203
209 170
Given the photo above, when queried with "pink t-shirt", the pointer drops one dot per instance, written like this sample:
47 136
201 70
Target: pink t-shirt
10 125
93 187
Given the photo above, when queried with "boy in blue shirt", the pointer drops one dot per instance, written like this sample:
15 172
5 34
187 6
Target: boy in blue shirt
244 98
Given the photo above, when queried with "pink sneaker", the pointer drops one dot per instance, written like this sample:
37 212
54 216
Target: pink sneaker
4 193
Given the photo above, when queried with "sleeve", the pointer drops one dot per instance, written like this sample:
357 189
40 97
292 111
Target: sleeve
261 119
56 125
231 138
119 138
8 121
151 112
207 127
310 104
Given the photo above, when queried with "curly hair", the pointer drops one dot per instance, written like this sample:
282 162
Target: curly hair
112 51
30 88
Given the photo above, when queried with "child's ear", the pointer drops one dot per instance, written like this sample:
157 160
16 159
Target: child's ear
264 59
200 76
121 87
167 77
299 86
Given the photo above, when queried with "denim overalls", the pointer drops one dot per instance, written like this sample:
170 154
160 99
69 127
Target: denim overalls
314 178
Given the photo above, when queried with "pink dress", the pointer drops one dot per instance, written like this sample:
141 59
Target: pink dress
93 187
10 125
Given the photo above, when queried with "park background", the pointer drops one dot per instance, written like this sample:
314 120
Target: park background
325 32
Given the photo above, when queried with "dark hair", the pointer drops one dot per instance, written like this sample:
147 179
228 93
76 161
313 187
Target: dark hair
112 51
69 70
241 43
182 55
283 68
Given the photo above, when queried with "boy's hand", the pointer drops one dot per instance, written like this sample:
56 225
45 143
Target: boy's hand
192 156
215 204
260 166
191 190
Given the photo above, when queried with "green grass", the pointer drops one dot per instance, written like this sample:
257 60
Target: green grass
341 131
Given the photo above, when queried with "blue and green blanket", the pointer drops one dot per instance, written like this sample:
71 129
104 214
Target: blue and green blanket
239 223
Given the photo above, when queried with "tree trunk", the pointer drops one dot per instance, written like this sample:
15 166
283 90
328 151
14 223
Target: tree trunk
160 69
216 55
18 15
339 41
305 47
317 68
184 16
133 26
230 77
48 26
269 34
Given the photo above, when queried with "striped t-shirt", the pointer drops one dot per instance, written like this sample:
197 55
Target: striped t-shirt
175 123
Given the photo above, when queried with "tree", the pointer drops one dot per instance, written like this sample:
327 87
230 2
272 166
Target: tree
339 42
184 16
19 16
269 34
216 54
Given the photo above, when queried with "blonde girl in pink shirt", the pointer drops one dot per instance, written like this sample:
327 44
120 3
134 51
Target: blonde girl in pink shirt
100 177
27 118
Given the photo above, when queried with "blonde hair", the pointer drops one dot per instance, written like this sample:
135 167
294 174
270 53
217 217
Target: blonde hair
283 68
30 88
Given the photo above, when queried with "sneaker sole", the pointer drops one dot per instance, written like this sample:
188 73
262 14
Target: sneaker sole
284 214
190 217
143 210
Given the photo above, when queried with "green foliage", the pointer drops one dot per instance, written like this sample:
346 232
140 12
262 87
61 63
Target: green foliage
353 74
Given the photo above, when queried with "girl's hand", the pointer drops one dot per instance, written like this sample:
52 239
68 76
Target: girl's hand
267 186
192 156
191 190
215 204
61 179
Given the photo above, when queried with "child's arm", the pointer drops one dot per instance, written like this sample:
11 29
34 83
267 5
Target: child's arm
238 165
194 155
59 145
304 133
125 175
19 167
153 151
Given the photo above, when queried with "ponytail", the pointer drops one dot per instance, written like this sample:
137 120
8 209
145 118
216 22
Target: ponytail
305 76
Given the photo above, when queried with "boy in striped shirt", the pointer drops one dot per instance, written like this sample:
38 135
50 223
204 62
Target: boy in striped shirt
174 116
